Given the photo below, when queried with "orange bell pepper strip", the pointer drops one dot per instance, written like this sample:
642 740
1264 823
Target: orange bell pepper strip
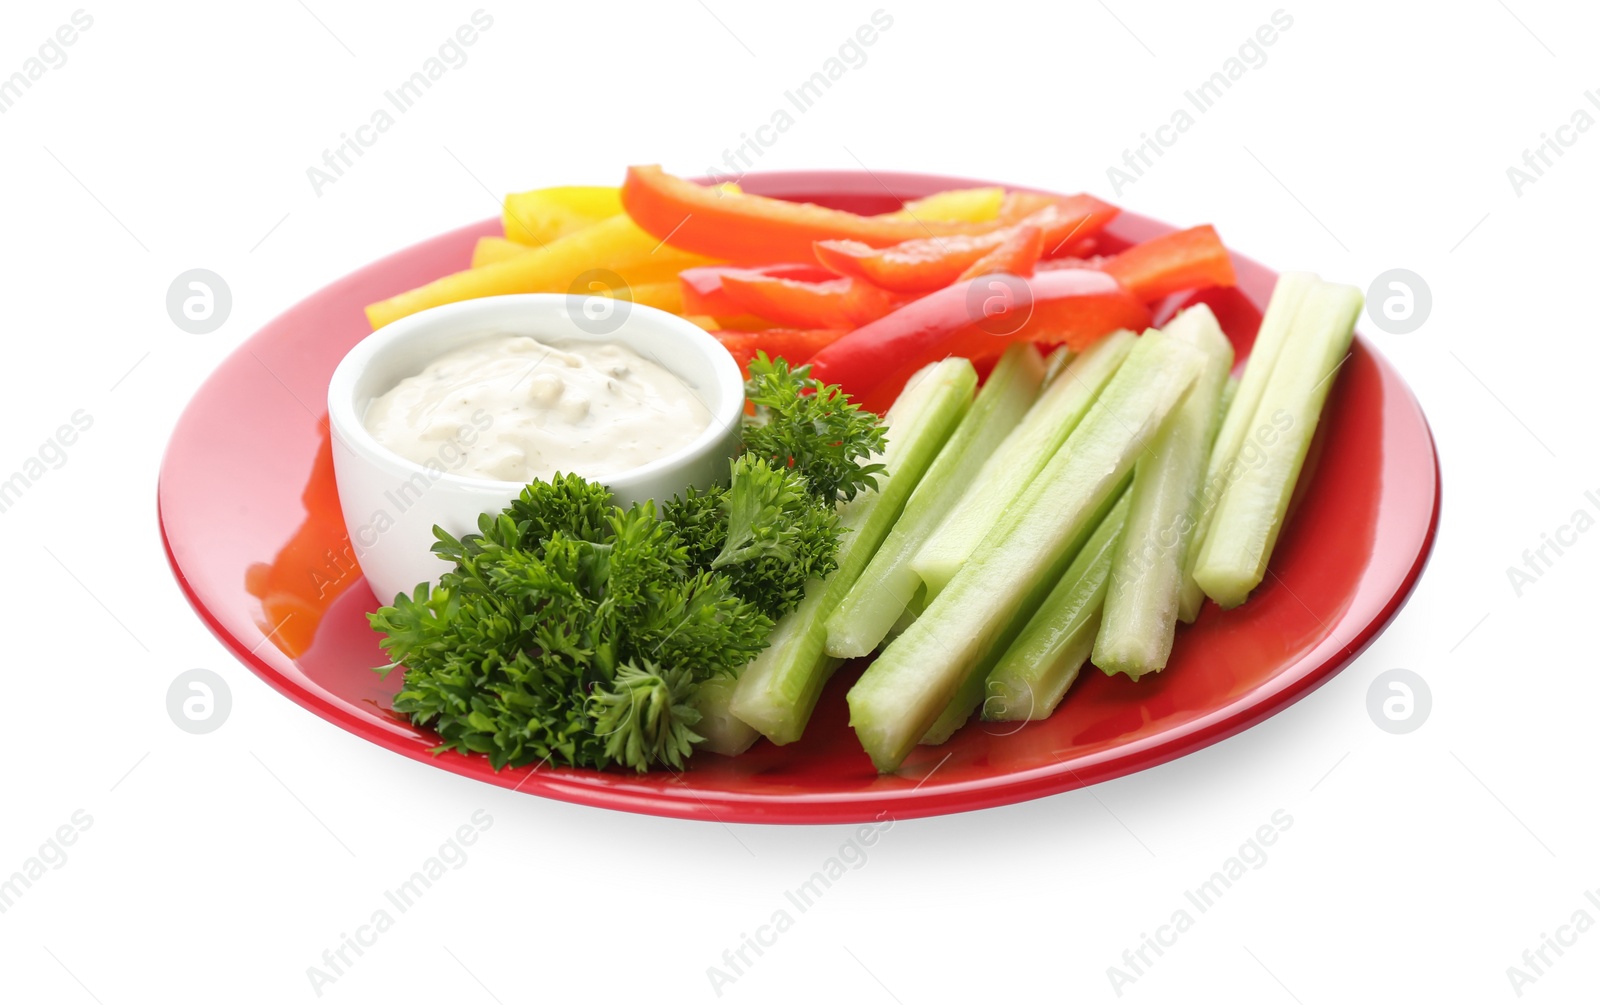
1183 260
752 228
795 345
976 319
1016 255
832 303
929 263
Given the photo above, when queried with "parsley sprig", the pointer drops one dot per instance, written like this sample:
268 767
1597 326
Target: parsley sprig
815 428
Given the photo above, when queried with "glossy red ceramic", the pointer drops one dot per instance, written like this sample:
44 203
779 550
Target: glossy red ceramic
252 528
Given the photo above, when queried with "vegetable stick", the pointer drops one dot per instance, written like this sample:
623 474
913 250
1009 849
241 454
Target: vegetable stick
1233 560
616 245
974 205
1236 425
1141 602
491 249
538 217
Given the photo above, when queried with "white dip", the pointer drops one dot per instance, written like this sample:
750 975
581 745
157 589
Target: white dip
590 408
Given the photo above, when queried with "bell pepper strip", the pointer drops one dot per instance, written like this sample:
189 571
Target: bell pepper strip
928 263
973 205
795 345
832 303
1019 205
977 319
1072 262
616 245
666 295
1076 248
1016 255
539 217
751 228
1183 260
491 249
703 292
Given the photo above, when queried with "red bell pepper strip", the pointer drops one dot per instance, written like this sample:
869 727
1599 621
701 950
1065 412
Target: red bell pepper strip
1076 248
740 227
703 292
976 319
1016 255
1184 260
832 303
795 345
929 263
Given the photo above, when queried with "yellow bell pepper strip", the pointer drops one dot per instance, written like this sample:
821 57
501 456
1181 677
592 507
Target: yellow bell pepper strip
490 250
755 229
973 205
666 295
617 245
544 214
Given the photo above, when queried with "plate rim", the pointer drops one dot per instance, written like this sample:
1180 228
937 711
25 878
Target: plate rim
613 791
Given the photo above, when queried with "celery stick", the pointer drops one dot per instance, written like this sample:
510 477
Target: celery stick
721 732
1233 559
1230 387
1033 675
972 690
880 596
1141 605
1019 459
1236 426
779 688
904 691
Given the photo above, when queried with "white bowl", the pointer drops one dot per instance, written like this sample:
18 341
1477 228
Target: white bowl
391 504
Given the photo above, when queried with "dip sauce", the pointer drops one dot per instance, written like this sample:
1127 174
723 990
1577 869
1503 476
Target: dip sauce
589 408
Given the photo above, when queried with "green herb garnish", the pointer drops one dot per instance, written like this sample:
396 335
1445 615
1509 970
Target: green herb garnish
813 427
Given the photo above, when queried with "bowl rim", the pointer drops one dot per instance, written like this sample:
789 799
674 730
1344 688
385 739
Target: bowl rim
348 426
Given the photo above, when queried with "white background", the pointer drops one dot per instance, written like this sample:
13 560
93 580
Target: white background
220 867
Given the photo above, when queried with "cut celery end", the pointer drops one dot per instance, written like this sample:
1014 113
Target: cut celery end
971 694
884 590
1142 595
777 692
911 682
1233 559
720 730
1238 427
1019 458
1033 675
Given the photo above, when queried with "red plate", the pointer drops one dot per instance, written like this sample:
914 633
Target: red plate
252 528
